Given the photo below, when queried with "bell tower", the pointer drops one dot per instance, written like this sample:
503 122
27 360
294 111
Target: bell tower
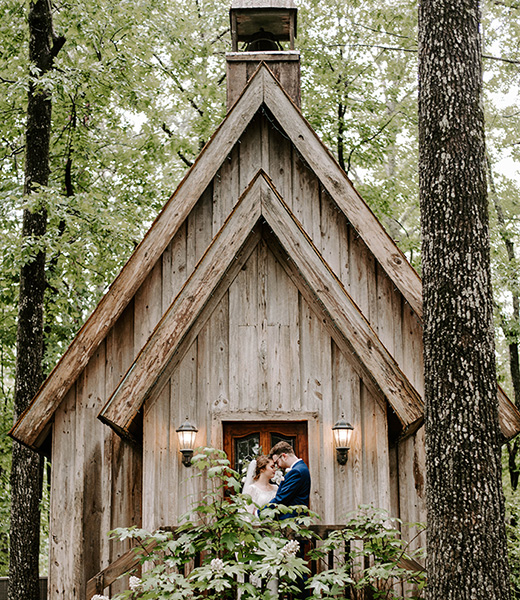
260 26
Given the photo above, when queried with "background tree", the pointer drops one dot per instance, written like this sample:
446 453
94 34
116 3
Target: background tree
139 87
26 466
466 539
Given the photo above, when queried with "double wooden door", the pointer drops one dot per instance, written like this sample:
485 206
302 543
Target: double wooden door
246 439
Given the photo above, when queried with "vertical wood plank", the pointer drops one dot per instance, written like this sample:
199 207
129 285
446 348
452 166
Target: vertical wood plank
243 335
362 276
344 229
89 464
355 462
184 403
370 464
250 145
346 401
383 457
264 134
159 428
174 268
225 189
412 363
147 313
148 469
283 330
376 478
385 314
264 391
330 232
157 431
213 359
236 79
413 485
125 459
394 481
64 538
147 307
316 394
199 229
403 453
280 162
306 202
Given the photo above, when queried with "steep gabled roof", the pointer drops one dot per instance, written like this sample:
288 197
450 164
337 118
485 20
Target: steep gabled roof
260 200
263 88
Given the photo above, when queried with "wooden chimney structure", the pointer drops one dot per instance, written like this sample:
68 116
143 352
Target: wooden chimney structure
261 26
265 302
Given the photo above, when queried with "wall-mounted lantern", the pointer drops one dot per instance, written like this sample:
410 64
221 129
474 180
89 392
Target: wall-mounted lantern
342 433
187 434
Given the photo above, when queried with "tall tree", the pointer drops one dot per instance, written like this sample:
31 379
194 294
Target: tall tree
466 539
26 467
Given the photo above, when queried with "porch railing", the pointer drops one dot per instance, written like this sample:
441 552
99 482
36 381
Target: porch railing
130 560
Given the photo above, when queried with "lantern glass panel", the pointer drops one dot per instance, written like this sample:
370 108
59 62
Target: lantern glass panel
342 437
187 439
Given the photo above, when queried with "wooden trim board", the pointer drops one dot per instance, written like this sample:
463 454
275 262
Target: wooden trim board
260 199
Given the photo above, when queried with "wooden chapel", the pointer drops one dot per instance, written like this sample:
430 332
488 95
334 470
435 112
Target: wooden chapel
265 302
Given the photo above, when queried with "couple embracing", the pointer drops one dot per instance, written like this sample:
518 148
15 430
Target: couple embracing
295 488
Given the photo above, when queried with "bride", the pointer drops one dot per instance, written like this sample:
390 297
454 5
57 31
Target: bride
258 482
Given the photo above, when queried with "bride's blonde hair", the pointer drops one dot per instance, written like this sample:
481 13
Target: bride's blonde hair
261 463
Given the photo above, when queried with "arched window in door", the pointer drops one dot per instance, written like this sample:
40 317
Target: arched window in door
243 440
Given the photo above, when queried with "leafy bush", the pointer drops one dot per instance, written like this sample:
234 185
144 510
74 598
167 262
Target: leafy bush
233 554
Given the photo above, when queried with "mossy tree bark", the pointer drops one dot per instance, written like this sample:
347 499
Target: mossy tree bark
466 540
26 471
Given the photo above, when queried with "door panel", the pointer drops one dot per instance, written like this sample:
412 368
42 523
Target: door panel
246 439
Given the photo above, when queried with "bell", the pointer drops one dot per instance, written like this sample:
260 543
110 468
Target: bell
262 24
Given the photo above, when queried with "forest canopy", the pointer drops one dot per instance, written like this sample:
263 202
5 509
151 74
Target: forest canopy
139 87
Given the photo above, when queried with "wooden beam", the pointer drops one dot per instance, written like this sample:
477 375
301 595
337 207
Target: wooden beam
343 192
263 87
157 353
342 310
124 564
34 420
213 301
508 415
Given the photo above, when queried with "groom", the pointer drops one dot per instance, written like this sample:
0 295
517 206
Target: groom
293 491
296 486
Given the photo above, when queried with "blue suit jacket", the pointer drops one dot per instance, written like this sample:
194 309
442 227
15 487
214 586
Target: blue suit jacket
296 486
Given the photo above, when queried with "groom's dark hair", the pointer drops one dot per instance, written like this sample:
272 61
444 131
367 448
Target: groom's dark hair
281 448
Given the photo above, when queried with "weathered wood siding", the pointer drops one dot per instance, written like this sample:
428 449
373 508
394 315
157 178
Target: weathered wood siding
263 352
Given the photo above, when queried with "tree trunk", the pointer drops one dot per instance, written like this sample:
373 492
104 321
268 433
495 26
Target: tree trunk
26 471
466 540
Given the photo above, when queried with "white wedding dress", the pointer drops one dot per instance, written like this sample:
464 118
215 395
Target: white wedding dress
258 495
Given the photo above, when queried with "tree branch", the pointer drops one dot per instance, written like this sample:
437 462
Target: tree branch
369 139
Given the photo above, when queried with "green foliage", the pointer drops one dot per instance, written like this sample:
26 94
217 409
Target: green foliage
5 468
137 90
512 504
359 92
382 548
245 555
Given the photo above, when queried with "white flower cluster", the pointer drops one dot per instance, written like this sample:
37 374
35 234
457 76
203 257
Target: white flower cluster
99 597
290 549
217 565
134 583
